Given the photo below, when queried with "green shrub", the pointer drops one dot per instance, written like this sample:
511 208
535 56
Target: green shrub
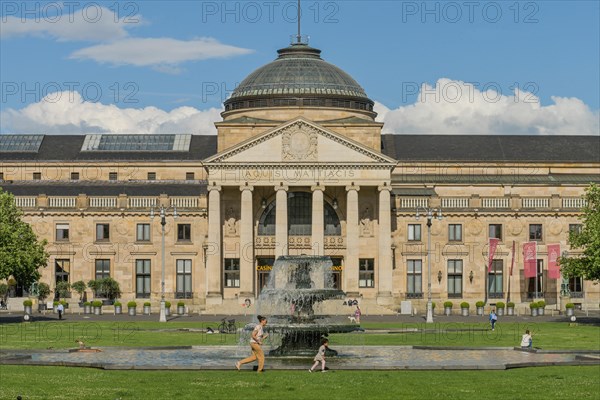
447 304
87 303
569 305
167 304
64 303
464 304
55 303
510 304
500 304
131 304
79 287
180 304
27 303
147 304
480 303
97 303
118 304
43 291
533 305
541 304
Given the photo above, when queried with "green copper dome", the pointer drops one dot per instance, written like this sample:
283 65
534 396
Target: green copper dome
299 77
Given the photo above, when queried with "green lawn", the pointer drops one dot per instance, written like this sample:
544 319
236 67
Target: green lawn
62 334
81 383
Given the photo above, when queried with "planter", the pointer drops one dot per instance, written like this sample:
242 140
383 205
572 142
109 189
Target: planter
510 311
570 312
168 311
97 310
479 310
28 310
180 310
87 309
540 311
464 312
534 312
448 310
118 309
131 311
500 311
146 310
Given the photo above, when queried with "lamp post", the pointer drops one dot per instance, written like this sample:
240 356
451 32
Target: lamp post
163 222
430 214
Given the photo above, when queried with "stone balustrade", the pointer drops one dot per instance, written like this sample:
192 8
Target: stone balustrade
455 202
495 202
103 202
535 202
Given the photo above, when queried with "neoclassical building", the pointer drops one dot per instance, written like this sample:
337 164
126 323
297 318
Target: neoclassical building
300 166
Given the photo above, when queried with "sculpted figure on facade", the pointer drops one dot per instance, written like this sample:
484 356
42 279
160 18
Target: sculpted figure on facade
231 223
366 222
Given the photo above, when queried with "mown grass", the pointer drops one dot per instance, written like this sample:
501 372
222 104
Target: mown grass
81 383
62 334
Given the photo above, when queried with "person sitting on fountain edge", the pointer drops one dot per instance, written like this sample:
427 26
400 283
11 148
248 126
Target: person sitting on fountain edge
320 357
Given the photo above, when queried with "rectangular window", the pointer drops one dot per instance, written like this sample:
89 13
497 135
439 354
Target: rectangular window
231 273
336 272
1 176
102 271
189 176
535 232
62 232
366 273
575 228
263 269
496 231
455 278
142 279
112 176
455 233
61 271
143 233
576 286
74 176
184 279
151 176
102 232
37 176
414 232
414 275
184 232
535 287
496 279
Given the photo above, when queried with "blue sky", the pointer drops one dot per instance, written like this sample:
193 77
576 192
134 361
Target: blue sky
184 57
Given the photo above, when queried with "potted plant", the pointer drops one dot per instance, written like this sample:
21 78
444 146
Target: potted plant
131 306
97 306
180 308
118 307
510 308
167 308
79 287
43 293
570 307
479 306
464 309
147 306
63 289
448 307
111 288
95 286
27 306
54 306
3 291
533 306
541 306
87 307
500 308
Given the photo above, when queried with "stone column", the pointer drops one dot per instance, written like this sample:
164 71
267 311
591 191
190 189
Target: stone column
246 244
352 243
281 221
384 295
213 253
318 221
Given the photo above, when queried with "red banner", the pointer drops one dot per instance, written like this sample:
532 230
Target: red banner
530 259
493 244
553 267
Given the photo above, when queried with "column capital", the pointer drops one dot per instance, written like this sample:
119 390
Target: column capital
352 187
214 187
244 188
384 187
317 187
281 187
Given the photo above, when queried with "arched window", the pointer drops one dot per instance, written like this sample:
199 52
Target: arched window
299 217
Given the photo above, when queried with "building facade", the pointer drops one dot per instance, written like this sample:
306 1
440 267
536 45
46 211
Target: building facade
300 166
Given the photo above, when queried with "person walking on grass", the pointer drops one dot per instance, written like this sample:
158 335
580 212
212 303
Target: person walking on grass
320 357
493 318
256 341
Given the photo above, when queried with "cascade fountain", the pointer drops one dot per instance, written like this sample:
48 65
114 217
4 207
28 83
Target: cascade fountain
296 300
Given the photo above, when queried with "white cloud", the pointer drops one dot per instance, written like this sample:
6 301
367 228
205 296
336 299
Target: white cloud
70 114
456 107
91 23
162 53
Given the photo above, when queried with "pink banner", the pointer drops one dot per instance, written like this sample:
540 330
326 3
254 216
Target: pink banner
491 252
530 259
553 267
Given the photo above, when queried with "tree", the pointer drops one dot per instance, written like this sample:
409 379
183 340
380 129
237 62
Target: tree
21 253
63 288
43 291
79 287
586 265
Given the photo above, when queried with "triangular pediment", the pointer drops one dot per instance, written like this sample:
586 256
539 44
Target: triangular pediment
303 142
